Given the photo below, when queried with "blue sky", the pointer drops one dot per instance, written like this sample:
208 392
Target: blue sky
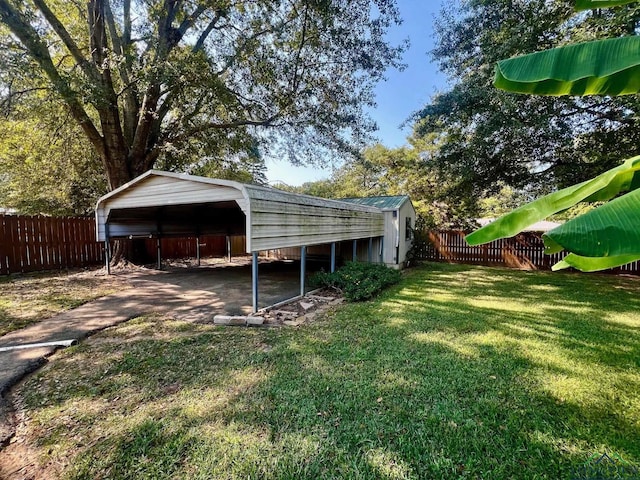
397 98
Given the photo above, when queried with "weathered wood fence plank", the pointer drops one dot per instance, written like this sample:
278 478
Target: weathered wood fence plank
29 244
524 251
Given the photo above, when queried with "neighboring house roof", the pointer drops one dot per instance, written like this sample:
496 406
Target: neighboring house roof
383 202
543 226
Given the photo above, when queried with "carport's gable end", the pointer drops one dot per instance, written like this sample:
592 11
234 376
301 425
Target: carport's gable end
157 189
160 190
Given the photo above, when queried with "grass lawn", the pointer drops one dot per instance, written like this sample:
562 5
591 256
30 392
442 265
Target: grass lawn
457 372
29 298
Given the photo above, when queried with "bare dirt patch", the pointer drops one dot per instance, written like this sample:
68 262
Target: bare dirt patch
29 298
302 310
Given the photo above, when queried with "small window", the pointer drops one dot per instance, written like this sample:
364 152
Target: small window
408 235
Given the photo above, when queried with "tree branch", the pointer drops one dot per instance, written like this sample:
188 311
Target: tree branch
218 126
300 47
130 93
203 36
126 32
188 22
40 53
107 104
89 70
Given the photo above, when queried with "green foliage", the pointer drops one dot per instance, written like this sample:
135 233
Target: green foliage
359 281
419 244
603 67
607 236
168 84
397 171
489 138
503 201
47 166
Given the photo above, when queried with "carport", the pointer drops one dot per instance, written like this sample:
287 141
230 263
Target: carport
163 204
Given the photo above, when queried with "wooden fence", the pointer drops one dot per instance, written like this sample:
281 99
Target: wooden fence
187 247
524 251
29 244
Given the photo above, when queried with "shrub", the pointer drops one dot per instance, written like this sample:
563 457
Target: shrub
358 281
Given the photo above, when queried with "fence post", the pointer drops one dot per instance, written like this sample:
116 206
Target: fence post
4 246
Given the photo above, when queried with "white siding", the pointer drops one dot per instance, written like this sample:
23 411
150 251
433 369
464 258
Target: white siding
390 237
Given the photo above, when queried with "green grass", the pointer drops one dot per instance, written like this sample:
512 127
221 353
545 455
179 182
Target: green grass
457 372
29 298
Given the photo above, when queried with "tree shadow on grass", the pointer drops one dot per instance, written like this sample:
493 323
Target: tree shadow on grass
445 387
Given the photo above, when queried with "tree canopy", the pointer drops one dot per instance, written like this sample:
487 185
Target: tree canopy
490 138
396 171
606 236
181 83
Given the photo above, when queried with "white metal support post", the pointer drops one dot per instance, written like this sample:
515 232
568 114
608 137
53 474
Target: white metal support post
107 256
159 253
333 257
254 280
107 249
303 268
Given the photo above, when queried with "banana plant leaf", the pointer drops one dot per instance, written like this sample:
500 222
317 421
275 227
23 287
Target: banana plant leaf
612 230
602 67
590 4
591 264
624 177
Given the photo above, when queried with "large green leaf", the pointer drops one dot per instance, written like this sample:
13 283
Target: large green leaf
591 4
611 230
603 67
591 264
622 178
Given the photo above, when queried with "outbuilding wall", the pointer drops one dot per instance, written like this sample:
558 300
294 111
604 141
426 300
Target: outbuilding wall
405 243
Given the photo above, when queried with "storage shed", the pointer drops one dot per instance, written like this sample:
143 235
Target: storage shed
160 204
399 222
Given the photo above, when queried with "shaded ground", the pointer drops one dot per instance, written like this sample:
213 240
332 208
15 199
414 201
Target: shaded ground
458 372
194 295
30 298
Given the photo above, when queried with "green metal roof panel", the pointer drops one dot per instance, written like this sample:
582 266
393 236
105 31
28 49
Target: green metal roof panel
383 203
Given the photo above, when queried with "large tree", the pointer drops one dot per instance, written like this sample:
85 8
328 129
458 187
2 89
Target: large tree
153 81
490 138
47 166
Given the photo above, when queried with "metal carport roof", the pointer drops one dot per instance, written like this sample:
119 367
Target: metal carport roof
163 204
